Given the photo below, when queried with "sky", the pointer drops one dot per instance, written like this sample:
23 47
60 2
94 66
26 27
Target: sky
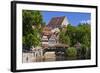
74 18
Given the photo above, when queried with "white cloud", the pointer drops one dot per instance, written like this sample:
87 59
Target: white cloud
86 21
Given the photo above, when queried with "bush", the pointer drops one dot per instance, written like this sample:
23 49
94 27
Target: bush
71 52
83 51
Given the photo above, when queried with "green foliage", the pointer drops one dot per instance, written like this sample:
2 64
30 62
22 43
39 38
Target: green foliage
64 39
37 18
27 22
71 52
85 52
36 37
80 33
71 32
85 30
32 39
88 53
31 36
31 18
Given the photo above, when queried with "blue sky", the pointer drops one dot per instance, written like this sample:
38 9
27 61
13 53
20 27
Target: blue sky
74 18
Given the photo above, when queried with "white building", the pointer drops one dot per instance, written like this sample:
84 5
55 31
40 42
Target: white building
52 40
44 41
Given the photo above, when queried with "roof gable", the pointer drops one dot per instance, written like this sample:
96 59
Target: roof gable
56 21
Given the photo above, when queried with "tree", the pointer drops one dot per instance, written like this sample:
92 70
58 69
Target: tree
83 51
31 18
85 34
80 33
27 22
64 39
36 38
71 32
37 18
31 36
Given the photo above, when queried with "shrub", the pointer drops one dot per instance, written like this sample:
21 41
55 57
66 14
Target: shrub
83 51
71 52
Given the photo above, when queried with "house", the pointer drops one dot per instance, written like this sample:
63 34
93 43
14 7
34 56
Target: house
52 40
46 31
55 30
49 36
44 41
58 22
50 33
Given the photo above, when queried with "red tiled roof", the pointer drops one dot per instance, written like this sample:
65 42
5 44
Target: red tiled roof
55 21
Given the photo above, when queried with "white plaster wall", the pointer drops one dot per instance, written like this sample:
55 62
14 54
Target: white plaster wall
65 22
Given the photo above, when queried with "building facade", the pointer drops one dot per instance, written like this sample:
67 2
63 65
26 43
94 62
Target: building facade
50 33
